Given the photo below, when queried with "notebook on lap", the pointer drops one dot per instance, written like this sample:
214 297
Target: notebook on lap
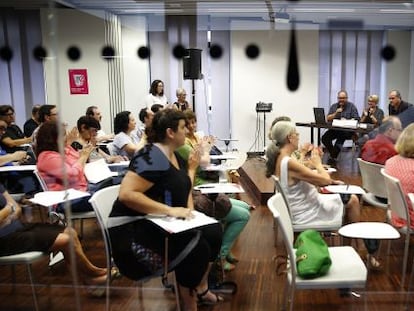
319 115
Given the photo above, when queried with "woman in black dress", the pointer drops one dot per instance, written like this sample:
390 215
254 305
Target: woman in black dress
159 181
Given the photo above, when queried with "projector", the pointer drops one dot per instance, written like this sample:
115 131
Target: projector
263 107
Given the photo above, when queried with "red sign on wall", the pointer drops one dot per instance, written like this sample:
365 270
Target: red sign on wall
78 81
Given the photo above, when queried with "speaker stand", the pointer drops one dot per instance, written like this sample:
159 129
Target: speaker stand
193 94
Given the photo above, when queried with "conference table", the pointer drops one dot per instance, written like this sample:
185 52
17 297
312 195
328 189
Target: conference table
313 125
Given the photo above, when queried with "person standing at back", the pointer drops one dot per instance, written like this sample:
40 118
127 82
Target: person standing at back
181 103
396 105
156 95
342 109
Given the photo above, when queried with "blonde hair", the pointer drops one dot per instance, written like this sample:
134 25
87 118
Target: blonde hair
405 143
373 98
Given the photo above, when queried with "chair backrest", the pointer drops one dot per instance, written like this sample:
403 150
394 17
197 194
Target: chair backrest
372 180
102 201
279 189
40 180
396 198
279 210
111 149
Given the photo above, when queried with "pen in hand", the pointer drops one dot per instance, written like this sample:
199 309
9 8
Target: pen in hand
347 187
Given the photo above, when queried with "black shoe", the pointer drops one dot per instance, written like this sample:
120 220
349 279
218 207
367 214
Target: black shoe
331 162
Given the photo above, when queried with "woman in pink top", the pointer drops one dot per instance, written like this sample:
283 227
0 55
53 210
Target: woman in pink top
401 166
54 168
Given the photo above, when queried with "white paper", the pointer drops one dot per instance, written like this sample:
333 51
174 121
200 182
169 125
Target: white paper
174 225
347 123
350 189
97 171
220 188
11 168
49 198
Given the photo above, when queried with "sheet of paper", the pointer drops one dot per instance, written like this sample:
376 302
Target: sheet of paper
174 225
350 189
49 198
220 188
97 171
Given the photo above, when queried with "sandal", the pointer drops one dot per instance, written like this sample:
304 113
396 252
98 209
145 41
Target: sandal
205 299
373 263
231 259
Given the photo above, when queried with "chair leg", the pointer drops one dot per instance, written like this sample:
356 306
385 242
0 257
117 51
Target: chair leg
176 292
405 259
29 269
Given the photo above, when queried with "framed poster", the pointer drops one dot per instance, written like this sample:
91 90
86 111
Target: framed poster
78 81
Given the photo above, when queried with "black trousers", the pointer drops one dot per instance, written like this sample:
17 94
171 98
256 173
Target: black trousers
330 136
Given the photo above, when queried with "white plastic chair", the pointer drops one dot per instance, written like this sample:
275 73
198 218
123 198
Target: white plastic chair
27 258
322 226
347 270
73 216
102 202
398 205
373 183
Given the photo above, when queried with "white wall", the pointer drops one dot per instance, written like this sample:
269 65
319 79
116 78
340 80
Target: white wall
398 70
136 70
264 79
87 32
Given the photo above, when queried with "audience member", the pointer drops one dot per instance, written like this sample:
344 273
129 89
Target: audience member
93 111
17 237
31 124
145 116
159 181
181 103
239 214
401 166
46 113
126 141
156 95
372 114
343 109
298 181
8 158
55 167
381 148
88 128
156 107
396 105
13 139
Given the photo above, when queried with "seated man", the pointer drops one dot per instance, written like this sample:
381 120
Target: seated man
343 109
94 112
145 116
396 105
14 138
31 124
381 148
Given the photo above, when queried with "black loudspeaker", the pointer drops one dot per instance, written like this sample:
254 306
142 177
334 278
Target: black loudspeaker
192 64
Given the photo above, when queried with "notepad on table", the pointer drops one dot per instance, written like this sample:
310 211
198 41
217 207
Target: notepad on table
49 198
97 171
347 189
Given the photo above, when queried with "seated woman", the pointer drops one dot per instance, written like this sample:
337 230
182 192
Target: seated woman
54 168
126 141
298 181
159 181
88 128
401 166
17 237
235 221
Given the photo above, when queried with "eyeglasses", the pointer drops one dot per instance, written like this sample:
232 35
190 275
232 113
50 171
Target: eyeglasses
2 129
8 114
342 97
399 130
391 98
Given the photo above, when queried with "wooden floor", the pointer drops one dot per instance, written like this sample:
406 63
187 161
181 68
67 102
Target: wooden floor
259 287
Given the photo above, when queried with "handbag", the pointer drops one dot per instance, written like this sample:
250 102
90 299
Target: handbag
214 205
312 255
